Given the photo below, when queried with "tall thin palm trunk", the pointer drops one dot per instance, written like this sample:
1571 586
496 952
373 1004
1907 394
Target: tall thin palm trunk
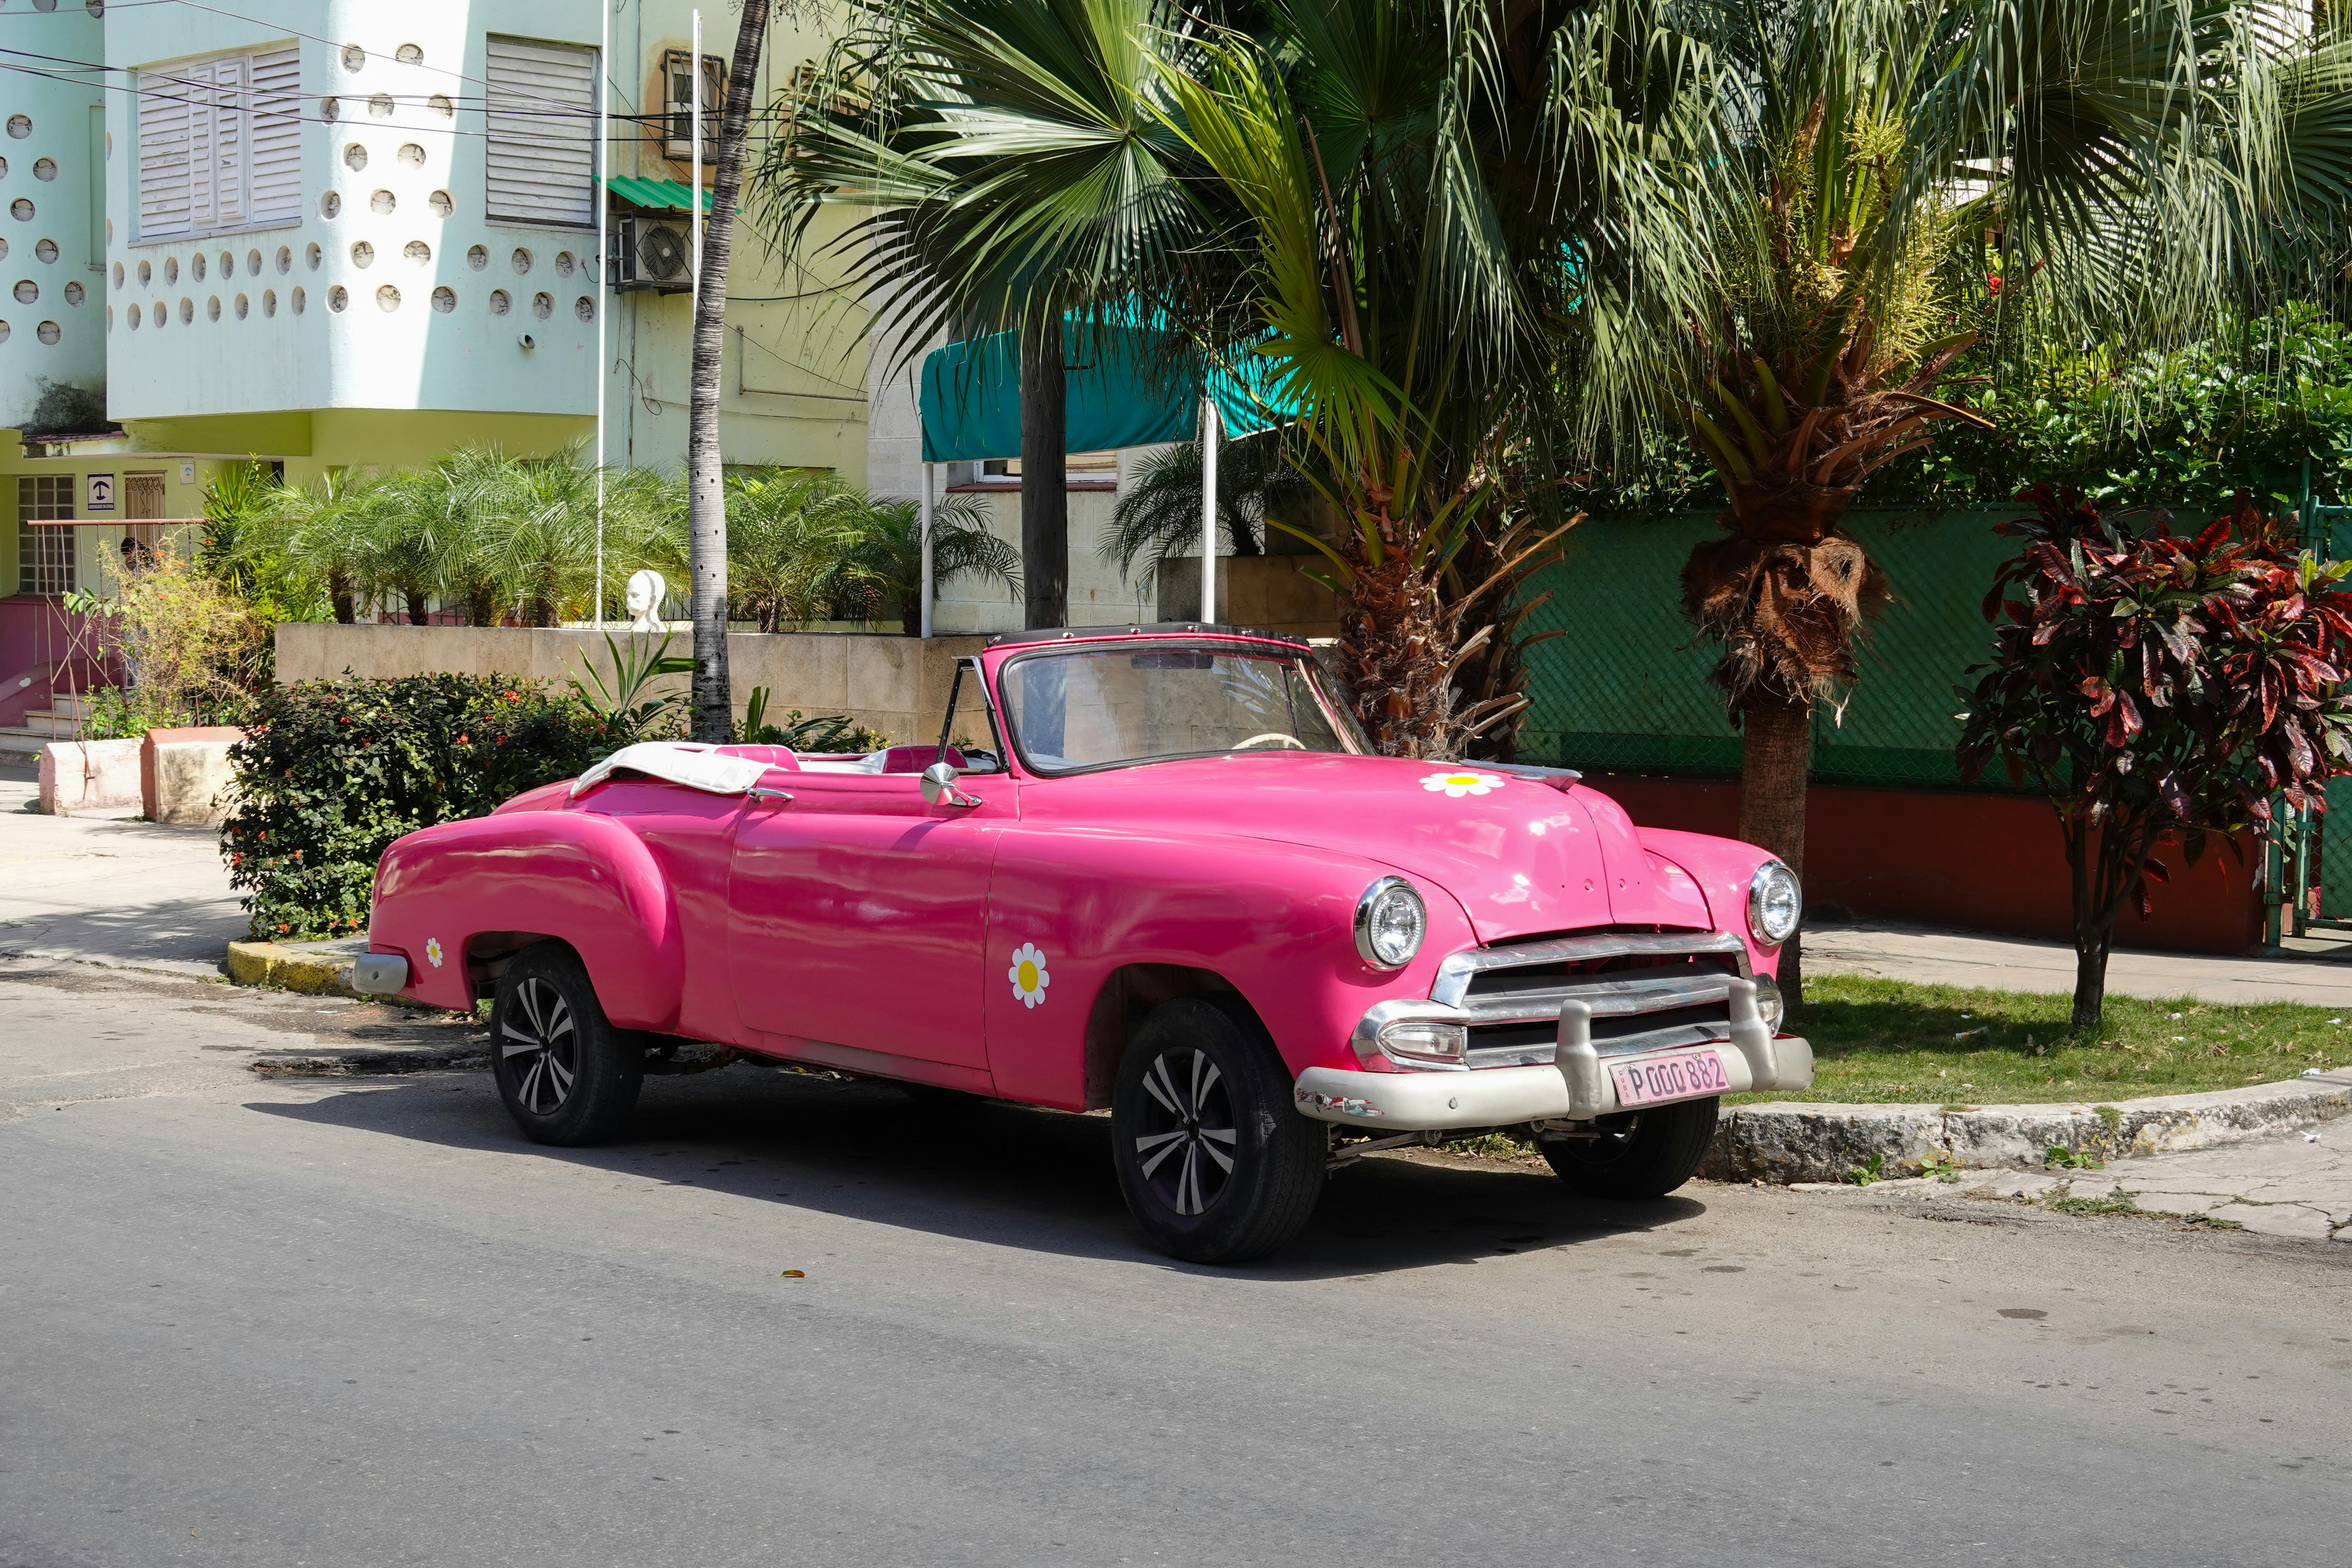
706 499
1044 467
1776 752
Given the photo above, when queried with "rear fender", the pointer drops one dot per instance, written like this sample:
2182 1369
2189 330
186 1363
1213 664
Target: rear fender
586 879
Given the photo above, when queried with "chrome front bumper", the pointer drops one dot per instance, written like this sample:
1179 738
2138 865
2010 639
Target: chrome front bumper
1506 1097
1566 1078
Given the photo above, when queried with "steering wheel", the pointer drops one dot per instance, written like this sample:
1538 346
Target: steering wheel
1275 735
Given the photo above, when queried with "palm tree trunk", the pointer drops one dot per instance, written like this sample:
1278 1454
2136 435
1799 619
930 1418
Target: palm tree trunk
419 614
339 593
1776 751
1045 492
706 500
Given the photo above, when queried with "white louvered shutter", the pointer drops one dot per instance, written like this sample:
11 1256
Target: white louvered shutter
227 147
274 137
541 147
165 116
220 144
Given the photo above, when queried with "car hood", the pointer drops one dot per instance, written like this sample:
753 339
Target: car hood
1521 856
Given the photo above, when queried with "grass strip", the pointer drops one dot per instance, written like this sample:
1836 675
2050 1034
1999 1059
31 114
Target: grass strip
1890 1041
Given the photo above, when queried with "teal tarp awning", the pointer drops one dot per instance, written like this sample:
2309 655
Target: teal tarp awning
1119 390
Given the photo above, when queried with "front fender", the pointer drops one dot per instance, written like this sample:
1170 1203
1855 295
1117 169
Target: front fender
1273 920
1723 867
576 876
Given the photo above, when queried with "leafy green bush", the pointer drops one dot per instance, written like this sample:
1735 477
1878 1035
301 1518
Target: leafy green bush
334 770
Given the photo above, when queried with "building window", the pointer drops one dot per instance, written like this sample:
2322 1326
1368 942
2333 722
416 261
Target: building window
677 104
45 556
220 144
541 152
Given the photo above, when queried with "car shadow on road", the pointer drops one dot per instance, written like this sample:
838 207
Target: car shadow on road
988 1171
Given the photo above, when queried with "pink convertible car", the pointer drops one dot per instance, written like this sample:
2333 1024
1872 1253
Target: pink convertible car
1175 884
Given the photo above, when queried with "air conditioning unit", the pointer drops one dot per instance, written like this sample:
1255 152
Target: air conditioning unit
649 253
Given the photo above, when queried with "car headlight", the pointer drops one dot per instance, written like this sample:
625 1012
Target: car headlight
1390 921
1770 1006
1425 1040
1775 903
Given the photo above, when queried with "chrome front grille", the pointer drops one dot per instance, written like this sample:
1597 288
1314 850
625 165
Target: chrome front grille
1647 992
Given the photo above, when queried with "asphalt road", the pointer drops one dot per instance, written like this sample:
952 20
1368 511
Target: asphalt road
270 1320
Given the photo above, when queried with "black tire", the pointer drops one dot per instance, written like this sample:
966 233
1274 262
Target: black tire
1215 1162
1642 1154
568 1076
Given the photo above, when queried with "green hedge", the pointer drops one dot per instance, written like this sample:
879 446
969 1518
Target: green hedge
334 770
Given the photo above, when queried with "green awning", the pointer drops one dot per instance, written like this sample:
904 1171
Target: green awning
654 196
1123 386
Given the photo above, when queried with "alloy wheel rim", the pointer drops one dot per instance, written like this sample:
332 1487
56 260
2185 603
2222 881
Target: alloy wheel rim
1186 1150
540 1048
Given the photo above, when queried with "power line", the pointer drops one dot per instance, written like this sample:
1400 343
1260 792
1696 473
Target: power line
70 70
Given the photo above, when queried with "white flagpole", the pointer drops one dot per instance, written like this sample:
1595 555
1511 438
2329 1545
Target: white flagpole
603 242
1208 509
694 190
927 550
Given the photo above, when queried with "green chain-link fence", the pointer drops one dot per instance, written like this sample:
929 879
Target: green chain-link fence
2312 851
1626 688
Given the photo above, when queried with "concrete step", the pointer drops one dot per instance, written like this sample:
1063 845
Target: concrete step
69 707
53 724
19 741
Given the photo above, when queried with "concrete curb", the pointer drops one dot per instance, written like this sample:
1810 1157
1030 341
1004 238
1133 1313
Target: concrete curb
314 968
1791 1142
372 1063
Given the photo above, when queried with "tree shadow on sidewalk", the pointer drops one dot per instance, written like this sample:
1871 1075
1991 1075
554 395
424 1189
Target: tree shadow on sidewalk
988 1170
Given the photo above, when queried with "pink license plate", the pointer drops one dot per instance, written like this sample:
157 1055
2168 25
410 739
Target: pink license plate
1690 1075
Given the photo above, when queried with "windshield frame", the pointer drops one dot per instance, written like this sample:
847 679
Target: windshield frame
1343 723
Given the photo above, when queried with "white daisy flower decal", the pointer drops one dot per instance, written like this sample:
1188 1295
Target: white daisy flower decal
1028 974
1454 786
433 950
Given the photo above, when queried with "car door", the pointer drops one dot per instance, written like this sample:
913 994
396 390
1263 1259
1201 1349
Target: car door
857 913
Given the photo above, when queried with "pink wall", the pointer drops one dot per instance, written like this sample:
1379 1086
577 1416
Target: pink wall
36 634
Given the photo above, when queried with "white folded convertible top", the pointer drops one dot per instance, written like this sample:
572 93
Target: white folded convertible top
687 763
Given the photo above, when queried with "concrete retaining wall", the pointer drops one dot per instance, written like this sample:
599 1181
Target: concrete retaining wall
1262 591
893 684
88 775
184 776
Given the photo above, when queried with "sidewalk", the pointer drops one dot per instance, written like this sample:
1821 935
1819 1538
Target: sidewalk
2299 1185
110 889
2310 971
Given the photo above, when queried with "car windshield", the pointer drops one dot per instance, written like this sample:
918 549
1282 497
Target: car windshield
1104 707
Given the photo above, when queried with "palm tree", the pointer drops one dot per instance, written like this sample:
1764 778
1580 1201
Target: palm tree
714 714
788 535
2137 171
328 533
1012 173
1420 214
1159 516
1439 211
544 551
882 577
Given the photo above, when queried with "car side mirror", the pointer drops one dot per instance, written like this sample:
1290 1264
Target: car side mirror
939 786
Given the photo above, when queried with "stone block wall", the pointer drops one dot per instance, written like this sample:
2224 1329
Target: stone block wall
894 684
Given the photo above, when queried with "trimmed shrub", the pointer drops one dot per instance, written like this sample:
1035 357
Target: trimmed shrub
334 771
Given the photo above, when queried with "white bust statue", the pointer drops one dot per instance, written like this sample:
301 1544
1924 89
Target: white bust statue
647 591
